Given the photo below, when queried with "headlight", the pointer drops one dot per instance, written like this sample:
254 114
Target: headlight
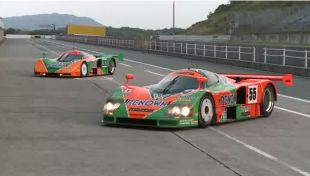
185 111
109 107
180 110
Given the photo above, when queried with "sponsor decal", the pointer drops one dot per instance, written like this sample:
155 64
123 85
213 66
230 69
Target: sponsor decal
158 97
188 98
246 114
137 115
146 103
185 73
57 65
188 122
127 92
141 110
228 100
245 110
194 122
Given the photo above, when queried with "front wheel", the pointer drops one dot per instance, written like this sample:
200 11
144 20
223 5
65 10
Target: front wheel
111 67
206 111
267 103
83 69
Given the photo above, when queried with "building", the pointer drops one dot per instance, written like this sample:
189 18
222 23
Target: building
1 29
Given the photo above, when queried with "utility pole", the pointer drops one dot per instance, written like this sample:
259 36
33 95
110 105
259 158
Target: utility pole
173 20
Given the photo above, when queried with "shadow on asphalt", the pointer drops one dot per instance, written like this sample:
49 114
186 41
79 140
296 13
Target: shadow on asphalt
148 128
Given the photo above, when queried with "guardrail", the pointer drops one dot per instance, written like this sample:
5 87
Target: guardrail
120 43
289 57
270 56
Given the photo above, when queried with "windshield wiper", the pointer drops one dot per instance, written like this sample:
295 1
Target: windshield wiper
169 85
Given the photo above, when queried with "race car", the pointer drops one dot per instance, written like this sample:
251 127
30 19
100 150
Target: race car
75 63
193 98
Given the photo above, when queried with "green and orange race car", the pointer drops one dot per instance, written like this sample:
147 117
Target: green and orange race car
193 97
75 63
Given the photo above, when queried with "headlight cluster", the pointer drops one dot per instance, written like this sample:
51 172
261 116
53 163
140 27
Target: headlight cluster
109 107
180 110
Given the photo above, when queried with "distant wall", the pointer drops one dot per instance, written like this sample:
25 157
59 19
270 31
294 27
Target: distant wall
195 38
24 36
290 38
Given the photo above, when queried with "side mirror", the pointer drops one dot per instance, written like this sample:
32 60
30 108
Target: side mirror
129 77
201 80
43 55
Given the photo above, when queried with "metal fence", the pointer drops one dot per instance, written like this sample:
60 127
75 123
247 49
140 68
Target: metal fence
120 43
271 56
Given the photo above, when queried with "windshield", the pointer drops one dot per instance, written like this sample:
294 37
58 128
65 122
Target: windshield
67 57
175 84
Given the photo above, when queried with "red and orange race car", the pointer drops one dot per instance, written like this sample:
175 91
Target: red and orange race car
193 97
75 63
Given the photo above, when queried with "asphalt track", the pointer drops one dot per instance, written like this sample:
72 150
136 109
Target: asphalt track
49 126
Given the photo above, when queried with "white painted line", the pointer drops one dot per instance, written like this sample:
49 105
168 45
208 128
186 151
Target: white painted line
297 170
154 73
267 155
245 145
94 78
293 112
125 65
126 59
294 98
49 50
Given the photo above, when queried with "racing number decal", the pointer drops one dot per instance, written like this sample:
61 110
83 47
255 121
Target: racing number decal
252 94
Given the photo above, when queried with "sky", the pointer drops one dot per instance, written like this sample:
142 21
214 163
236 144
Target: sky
142 14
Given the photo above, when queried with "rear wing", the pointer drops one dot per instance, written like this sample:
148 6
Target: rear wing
286 79
118 57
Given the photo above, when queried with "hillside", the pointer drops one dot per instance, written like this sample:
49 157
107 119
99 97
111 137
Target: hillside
248 17
32 22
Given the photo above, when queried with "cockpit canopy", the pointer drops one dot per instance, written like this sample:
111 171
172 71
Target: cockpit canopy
182 80
71 56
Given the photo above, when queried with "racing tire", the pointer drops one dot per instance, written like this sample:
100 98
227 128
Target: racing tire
206 114
267 103
112 66
83 68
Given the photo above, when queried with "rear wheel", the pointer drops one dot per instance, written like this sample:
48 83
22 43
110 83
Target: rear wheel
84 70
112 66
267 103
206 111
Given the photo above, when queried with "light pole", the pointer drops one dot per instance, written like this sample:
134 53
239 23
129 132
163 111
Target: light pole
173 19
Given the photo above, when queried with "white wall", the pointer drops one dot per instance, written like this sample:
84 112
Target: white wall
196 38
15 36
